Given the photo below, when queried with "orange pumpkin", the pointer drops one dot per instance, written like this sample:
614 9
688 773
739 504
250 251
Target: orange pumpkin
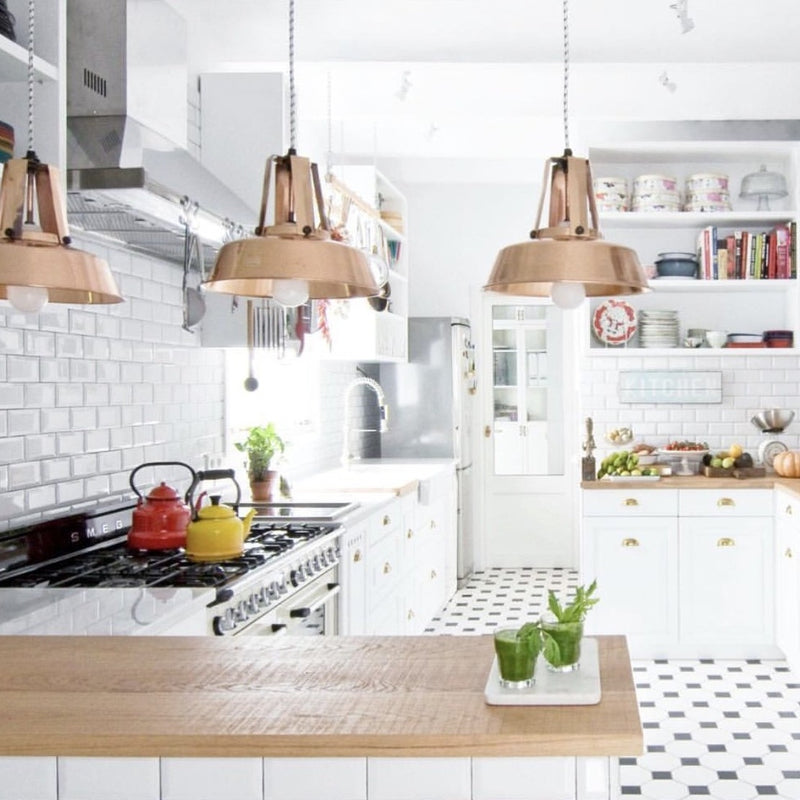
787 464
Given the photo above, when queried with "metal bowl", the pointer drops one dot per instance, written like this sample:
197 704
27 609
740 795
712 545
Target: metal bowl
773 420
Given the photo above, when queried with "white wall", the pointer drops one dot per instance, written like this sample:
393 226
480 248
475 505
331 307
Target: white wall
455 232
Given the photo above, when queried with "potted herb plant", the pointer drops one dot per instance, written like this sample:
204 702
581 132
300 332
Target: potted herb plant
564 627
263 446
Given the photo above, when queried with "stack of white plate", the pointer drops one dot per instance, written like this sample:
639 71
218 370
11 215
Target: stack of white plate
659 329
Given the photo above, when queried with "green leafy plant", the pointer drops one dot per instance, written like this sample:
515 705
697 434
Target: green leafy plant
261 446
544 641
576 610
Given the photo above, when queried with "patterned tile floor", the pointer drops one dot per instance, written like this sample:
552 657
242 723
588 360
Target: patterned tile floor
725 729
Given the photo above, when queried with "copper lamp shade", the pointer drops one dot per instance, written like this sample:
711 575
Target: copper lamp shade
39 256
570 250
295 248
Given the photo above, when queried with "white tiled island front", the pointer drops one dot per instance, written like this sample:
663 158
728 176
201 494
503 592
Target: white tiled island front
376 718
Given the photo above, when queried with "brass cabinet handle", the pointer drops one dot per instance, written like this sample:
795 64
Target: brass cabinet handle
631 501
433 524
487 431
725 501
788 552
726 541
410 534
387 568
433 574
789 511
630 542
387 519
357 556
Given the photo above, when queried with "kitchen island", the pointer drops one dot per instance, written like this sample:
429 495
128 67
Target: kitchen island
378 706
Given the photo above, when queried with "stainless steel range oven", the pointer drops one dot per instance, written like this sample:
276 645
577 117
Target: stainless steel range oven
285 582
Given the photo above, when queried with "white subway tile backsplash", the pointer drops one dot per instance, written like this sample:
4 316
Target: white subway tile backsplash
24 474
97 441
38 343
84 465
84 418
11 396
55 469
40 395
22 369
107 326
54 419
54 370
108 416
69 346
82 322
97 394
70 492
110 461
132 329
107 371
69 443
40 497
54 318
22 422
69 394
121 437
12 450
11 341
82 371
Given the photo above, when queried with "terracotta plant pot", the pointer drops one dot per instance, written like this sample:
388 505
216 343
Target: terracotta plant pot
266 490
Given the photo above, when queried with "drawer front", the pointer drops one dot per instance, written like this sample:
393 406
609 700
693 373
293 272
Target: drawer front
384 561
630 503
787 507
727 502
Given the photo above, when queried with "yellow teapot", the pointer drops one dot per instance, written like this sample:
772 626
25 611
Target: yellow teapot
216 533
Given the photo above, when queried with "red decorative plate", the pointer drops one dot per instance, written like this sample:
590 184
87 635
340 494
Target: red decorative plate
614 322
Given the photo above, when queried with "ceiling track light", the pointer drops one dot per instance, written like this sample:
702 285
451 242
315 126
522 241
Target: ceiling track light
37 264
567 260
295 258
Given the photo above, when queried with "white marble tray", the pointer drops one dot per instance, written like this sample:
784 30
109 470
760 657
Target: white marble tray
579 688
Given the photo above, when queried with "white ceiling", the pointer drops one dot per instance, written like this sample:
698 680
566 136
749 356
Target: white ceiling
484 77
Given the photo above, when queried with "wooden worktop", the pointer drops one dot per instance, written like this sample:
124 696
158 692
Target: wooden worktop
292 696
700 482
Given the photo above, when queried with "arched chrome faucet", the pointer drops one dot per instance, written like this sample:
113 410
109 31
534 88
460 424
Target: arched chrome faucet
383 411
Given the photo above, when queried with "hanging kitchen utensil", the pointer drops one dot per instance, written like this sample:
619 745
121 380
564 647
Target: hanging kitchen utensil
381 300
250 382
588 465
160 519
215 532
194 304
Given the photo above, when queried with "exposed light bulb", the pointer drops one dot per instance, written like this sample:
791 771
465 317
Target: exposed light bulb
290 292
29 299
567 295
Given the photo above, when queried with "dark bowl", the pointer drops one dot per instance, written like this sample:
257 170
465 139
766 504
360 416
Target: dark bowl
676 268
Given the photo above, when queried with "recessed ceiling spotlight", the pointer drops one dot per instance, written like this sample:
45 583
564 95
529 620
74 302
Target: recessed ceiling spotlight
405 85
680 7
664 80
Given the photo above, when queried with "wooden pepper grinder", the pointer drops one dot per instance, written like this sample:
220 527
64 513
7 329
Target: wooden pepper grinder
588 468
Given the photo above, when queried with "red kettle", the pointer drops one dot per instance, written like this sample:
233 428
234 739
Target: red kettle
160 519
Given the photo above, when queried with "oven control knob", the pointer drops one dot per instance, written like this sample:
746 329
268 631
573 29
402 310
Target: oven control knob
316 563
224 623
323 559
309 568
332 554
269 593
282 588
297 576
241 612
253 603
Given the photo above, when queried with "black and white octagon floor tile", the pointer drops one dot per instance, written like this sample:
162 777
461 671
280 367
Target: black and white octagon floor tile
712 728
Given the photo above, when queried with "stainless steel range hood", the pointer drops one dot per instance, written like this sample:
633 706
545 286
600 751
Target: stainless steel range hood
129 173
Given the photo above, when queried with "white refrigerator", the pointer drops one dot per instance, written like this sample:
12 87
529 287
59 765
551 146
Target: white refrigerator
431 409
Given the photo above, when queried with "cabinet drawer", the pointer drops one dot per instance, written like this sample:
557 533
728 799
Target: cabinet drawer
630 503
787 507
384 559
733 502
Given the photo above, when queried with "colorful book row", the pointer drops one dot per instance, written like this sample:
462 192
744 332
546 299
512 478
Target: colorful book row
748 255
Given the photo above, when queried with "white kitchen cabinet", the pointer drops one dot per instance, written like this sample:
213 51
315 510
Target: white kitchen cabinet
352 578
374 214
49 74
635 562
384 571
684 574
739 305
726 586
787 576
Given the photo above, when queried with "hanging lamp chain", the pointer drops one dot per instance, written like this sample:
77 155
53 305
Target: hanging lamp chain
31 35
292 97
565 23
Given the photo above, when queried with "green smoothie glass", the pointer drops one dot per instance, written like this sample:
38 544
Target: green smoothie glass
567 636
517 651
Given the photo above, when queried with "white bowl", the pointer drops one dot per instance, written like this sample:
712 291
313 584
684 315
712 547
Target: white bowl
716 338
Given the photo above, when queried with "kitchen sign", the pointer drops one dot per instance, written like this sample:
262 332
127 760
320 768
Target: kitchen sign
670 386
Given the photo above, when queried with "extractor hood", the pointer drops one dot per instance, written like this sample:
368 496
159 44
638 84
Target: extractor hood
129 173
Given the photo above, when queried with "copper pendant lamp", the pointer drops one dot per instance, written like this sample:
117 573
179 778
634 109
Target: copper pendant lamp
295 258
568 259
37 265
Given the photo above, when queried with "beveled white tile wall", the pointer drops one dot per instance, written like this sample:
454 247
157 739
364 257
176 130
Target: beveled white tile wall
419 778
523 779
28 778
88 393
108 778
211 779
315 779
749 383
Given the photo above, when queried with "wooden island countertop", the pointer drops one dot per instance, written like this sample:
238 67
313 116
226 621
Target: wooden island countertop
334 696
